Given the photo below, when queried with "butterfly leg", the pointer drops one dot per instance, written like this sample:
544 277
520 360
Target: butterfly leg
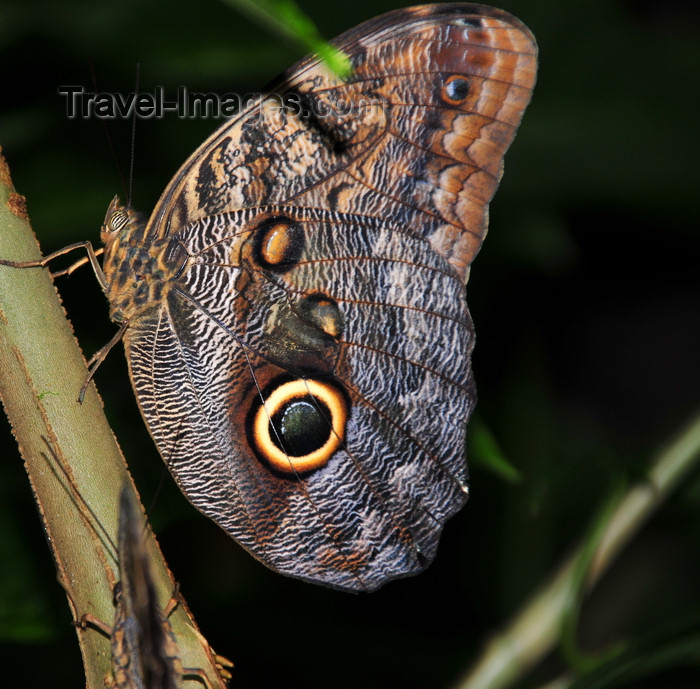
91 257
110 681
223 664
99 356
173 602
89 620
197 674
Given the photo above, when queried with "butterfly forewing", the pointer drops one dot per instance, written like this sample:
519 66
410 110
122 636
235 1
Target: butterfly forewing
419 130
307 333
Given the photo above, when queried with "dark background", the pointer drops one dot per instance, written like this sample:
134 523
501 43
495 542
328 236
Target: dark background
585 299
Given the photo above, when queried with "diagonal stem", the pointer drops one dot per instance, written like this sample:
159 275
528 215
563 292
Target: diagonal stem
70 453
535 629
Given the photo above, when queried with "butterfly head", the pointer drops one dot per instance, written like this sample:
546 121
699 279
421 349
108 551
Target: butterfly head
119 221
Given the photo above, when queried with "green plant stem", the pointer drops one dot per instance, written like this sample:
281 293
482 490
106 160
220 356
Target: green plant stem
74 464
535 629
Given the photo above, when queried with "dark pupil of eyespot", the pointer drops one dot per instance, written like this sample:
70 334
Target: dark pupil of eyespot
301 427
457 89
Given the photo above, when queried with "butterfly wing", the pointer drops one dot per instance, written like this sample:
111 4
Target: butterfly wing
419 130
144 649
307 371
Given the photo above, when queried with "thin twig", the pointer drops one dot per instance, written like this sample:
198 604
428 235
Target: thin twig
535 629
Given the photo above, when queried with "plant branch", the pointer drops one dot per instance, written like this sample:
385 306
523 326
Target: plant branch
74 464
535 630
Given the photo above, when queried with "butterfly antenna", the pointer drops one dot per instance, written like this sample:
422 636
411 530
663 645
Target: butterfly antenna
133 137
108 134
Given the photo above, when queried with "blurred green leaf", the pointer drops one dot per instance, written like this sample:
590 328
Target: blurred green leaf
486 453
677 647
285 17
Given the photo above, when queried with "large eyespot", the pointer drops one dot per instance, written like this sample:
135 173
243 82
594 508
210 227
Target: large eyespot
300 425
455 90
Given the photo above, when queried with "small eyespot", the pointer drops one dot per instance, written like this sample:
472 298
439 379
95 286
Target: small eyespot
279 242
323 312
469 21
300 426
455 90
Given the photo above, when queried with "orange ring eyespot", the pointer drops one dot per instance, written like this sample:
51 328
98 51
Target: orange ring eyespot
455 90
300 425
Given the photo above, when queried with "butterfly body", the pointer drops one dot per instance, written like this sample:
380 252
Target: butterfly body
144 648
136 271
298 336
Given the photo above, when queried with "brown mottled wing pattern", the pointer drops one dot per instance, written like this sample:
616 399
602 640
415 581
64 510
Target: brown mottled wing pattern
324 235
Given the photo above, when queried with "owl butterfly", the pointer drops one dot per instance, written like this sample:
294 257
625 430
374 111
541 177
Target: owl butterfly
295 306
144 648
